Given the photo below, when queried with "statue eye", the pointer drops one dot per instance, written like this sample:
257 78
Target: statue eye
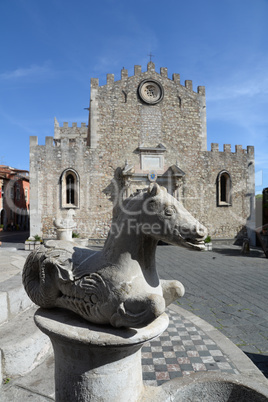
169 211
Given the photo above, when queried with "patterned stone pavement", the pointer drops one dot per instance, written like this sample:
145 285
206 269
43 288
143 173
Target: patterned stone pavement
183 348
226 289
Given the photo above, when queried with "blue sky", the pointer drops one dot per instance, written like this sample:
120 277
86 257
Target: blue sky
50 50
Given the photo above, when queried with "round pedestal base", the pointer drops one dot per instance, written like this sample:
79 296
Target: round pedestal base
64 234
94 362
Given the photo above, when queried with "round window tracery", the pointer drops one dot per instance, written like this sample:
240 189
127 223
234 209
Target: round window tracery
151 91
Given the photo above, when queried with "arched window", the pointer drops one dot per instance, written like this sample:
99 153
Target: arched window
224 187
69 189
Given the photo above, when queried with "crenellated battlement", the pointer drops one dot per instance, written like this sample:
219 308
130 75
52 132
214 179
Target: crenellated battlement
71 132
127 114
227 149
51 142
151 69
65 135
66 125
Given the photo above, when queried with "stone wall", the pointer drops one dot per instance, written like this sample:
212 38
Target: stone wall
121 128
47 165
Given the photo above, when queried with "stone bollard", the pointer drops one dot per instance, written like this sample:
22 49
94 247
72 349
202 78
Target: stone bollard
96 362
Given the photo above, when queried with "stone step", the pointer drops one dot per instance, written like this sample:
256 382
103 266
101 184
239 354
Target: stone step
13 298
22 345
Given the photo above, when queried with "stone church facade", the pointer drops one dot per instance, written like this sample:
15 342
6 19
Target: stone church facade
142 128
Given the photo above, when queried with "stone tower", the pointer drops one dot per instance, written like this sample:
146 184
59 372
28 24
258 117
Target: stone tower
142 128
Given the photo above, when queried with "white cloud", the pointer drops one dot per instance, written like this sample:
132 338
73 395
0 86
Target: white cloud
241 98
31 127
33 71
261 158
247 81
251 88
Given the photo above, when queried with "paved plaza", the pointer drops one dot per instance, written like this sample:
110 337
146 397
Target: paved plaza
226 289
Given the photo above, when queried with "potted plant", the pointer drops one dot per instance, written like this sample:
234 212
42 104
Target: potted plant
1 228
208 243
37 238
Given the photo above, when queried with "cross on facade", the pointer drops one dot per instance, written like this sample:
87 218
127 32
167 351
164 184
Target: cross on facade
151 55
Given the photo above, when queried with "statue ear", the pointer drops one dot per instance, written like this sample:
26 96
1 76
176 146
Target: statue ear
153 189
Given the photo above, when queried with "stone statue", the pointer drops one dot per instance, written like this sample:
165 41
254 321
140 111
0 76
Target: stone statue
64 227
118 285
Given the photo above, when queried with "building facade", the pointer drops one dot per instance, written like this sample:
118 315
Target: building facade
14 198
142 128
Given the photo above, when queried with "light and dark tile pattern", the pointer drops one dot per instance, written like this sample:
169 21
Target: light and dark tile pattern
182 349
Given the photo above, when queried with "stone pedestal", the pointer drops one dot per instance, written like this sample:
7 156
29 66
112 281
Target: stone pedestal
93 362
64 234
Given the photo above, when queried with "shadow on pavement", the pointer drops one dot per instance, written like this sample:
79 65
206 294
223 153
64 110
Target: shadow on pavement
237 252
14 239
261 361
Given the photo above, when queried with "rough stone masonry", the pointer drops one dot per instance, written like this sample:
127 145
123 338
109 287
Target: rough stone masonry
142 128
